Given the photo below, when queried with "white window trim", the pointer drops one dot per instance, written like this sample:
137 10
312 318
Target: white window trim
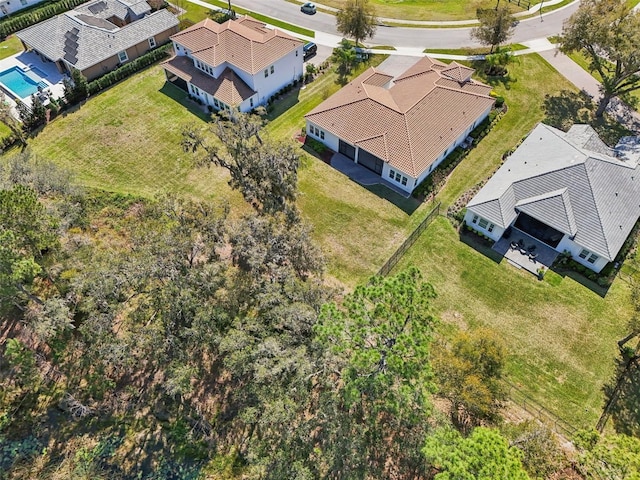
152 42
126 57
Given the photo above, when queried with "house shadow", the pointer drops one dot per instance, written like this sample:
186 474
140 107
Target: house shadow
284 102
183 99
479 244
407 204
621 395
569 107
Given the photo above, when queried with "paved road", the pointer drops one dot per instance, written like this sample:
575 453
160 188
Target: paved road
434 38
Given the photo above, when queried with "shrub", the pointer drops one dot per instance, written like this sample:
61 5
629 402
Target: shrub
128 69
316 146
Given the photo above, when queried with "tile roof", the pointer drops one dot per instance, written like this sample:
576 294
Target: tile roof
228 87
555 178
245 43
84 38
419 116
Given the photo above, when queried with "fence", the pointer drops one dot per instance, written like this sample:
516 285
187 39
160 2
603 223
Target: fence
526 4
521 399
397 255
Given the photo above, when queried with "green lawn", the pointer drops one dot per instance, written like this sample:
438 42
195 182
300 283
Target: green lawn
561 337
10 46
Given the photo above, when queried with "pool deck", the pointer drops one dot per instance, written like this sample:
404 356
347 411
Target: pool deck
25 60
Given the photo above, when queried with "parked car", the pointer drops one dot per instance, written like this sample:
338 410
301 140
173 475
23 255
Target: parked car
309 50
362 53
308 8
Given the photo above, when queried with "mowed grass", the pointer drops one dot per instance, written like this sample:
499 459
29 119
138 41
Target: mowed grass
561 337
426 9
10 46
127 139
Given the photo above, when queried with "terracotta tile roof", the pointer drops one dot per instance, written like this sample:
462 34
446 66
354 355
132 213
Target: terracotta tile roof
410 124
245 43
228 87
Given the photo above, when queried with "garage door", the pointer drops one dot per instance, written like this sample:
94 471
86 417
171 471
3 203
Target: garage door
370 161
347 150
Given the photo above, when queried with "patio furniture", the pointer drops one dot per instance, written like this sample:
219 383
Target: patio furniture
533 256
514 246
531 248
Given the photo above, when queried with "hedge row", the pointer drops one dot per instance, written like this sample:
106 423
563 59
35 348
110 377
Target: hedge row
128 69
12 24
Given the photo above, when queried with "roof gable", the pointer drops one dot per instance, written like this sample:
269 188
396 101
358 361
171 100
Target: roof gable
245 43
553 208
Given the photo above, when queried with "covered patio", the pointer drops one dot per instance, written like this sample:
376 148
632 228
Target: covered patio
362 175
524 251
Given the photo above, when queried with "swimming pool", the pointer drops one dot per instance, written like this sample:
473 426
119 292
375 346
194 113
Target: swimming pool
22 84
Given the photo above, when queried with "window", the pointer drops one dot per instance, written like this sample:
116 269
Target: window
584 253
321 134
404 180
251 102
317 132
592 258
483 223
197 62
475 219
272 69
296 53
398 177
430 167
122 56
215 103
491 227
23 2
266 73
392 174
152 42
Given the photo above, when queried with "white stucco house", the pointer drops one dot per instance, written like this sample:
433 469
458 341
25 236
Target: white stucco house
240 63
569 191
402 128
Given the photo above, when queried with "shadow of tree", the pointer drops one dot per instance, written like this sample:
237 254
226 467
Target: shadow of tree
569 107
622 394
504 80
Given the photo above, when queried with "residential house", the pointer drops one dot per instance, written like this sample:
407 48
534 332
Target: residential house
569 191
240 63
8 7
402 128
98 36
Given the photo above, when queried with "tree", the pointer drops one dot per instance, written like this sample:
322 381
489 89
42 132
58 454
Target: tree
76 89
496 27
345 57
608 457
357 19
483 455
469 375
378 373
265 172
10 121
608 31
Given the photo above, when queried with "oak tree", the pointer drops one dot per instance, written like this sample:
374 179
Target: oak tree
496 27
608 32
357 19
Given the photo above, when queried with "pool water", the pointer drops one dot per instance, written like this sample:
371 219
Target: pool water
20 83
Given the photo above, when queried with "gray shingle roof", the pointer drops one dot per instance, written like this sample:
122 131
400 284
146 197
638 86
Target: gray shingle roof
555 178
67 36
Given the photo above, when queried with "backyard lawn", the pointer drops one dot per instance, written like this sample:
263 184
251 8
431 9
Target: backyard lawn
561 336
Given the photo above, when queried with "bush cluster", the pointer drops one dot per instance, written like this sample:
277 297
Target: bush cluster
35 15
315 145
128 68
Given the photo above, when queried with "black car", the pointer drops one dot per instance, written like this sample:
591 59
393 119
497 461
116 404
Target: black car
309 50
